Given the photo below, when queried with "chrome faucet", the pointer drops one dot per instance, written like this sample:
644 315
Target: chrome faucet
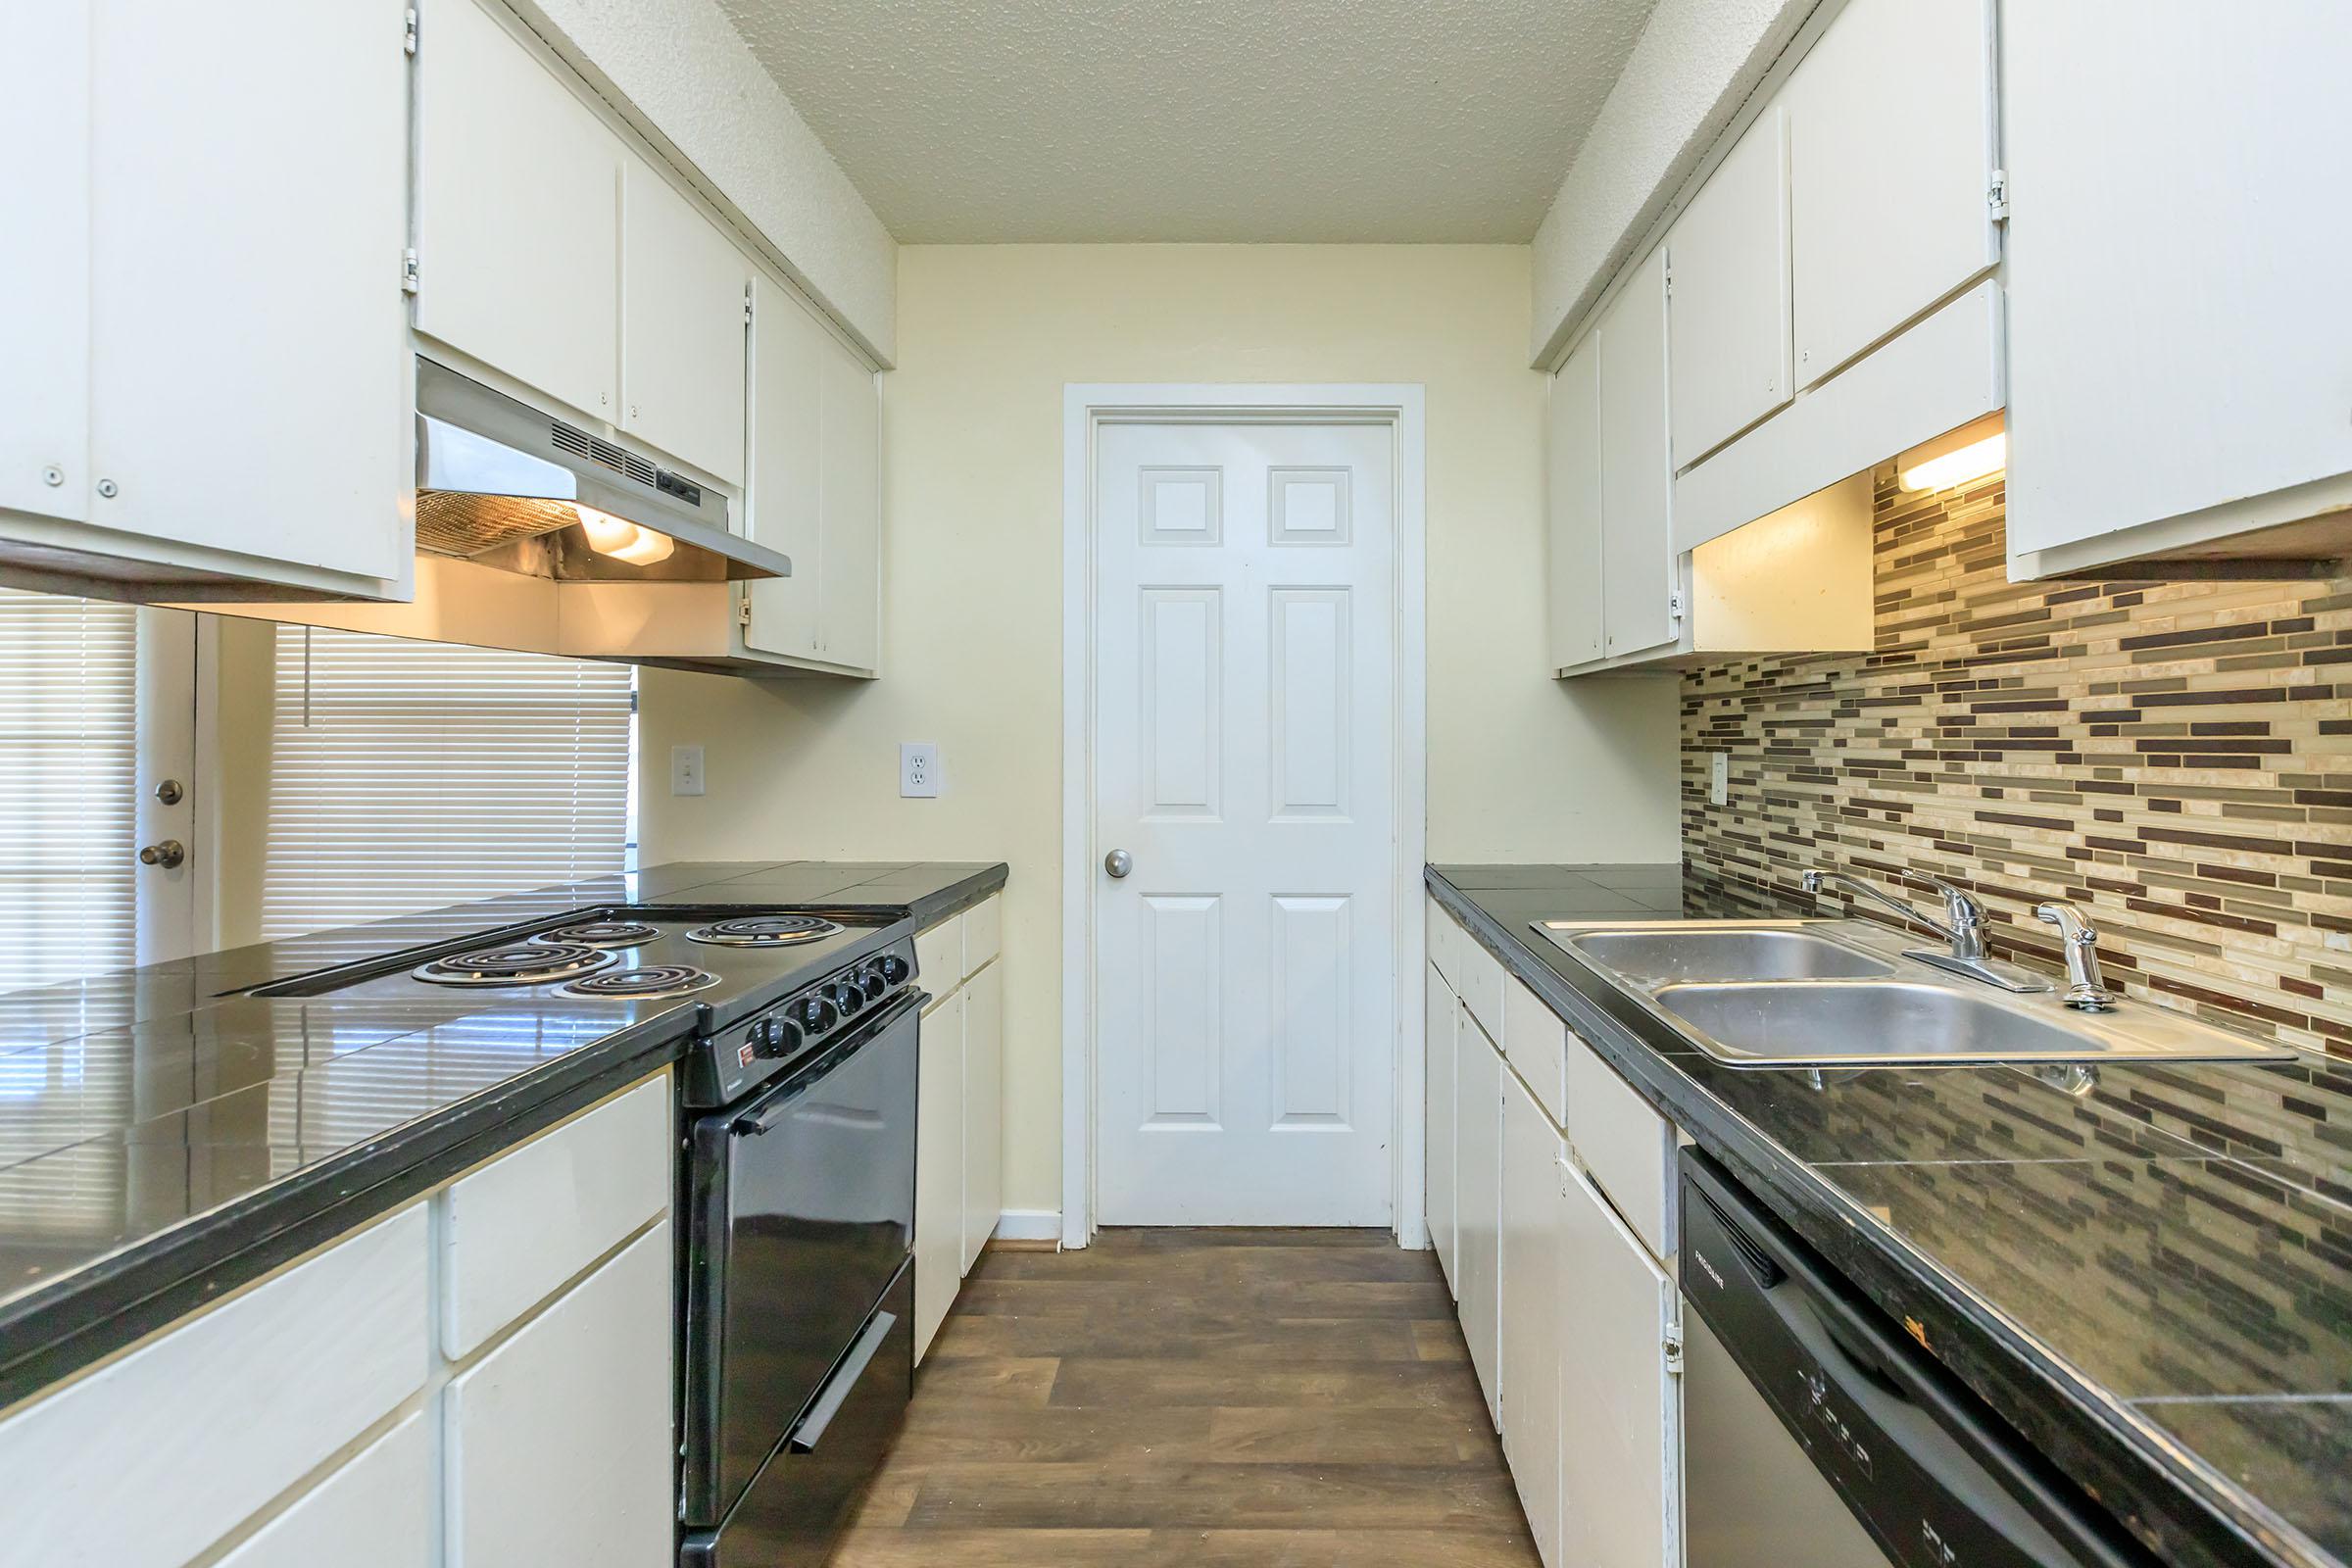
1962 926
2086 987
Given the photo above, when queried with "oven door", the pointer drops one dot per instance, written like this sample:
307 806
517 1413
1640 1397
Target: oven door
799 1215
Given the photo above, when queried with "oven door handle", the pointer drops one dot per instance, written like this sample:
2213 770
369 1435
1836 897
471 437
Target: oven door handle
811 1430
767 1111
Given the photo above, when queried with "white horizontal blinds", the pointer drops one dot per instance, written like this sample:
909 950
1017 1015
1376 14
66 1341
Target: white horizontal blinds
409 775
69 734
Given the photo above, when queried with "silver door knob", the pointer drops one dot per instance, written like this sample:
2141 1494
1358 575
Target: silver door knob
169 854
1118 862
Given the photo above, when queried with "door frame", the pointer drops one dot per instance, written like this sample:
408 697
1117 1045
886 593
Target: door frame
1086 408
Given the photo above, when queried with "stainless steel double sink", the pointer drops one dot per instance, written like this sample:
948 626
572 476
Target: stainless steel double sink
1840 993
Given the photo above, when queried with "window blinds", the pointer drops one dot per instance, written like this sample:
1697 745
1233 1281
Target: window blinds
406 774
69 730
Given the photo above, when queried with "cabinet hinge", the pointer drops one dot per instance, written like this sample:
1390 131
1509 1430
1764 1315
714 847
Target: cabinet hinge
747 304
743 609
1666 280
1996 195
1673 1346
1674 604
408 34
408 271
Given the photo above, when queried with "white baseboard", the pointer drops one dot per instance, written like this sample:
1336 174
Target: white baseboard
1029 1225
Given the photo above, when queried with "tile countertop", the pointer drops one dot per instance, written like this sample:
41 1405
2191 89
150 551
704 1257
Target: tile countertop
2152 1283
164 1138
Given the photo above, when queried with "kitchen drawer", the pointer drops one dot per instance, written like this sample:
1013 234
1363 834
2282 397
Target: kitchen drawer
513 1230
133 1464
939 956
375 1512
1479 982
982 934
1442 943
1624 1146
1537 1043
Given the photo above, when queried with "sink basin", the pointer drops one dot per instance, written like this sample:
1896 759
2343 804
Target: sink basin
1665 957
1904 1022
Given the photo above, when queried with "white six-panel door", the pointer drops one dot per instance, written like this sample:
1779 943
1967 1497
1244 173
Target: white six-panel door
1244 733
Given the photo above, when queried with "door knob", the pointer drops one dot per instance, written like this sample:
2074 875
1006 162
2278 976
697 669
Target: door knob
1118 862
169 854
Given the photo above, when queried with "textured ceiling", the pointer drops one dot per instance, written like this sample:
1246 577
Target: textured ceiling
1198 119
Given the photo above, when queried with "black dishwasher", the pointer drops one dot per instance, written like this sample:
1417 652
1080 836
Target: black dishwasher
1928 1474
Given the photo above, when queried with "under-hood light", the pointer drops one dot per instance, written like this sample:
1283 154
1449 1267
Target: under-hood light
622 539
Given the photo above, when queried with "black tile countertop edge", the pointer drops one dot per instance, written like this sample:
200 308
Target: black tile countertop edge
116 1300
2179 1507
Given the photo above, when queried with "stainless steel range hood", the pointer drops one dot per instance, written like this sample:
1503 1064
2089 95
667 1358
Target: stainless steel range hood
503 485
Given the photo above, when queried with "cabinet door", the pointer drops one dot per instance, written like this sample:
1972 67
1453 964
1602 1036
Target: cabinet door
375 1512
1532 1175
1439 1194
250 383
849 511
938 1168
1478 1201
2178 315
1621 1408
1728 298
518 213
1890 168
787 353
556 1445
983 1109
1572 507
681 327
45 266
1637 550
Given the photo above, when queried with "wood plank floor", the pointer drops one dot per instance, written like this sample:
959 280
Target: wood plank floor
1299 1398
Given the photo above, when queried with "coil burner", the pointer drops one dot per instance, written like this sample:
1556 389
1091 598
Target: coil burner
765 931
519 963
650 983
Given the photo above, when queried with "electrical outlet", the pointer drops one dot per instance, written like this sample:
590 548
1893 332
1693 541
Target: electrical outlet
1719 779
685 770
918 769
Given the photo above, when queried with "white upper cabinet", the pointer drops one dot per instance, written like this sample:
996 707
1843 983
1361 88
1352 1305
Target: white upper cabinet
518 213
681 327
179 264
1890 158
1729 298
2180 333
1636 553
848 510
1572 497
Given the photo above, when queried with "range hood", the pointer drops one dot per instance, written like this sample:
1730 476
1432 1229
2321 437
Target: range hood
504 485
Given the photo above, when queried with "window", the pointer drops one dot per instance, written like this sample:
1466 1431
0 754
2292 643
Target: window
69 735
406 774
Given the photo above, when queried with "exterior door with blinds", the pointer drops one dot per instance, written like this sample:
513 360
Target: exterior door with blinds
405 775
97 713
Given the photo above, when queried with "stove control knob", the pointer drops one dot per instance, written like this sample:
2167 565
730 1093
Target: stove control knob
774 1037
876 979
894 968
814 1013
846 996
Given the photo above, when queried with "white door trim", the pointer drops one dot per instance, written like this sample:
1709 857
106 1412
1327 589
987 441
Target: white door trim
1085 407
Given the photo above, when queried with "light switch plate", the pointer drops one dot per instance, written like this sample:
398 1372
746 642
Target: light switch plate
1719 778
918 769
685 770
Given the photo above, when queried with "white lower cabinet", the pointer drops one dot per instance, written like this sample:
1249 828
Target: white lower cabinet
1439 1194
375 1512
938 1168
960 1108
556 1445
1477 1203
983 1111
1534 1166
1620 1393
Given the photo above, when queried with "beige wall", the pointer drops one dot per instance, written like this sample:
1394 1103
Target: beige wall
1521 767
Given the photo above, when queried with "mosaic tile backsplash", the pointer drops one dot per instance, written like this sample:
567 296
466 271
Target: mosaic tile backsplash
2175 758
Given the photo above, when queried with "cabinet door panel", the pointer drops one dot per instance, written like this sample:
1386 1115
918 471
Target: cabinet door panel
983 1109
1478 1201
1727 305
1572 500
848 506
518 213
1636 552
938 1168
1440 1016
1531 1312
1890 163
250 384
787 354
1619 1411
375 1512
681 327
45 266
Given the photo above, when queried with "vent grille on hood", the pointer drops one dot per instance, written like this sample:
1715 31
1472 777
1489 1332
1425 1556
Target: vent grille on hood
581 444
